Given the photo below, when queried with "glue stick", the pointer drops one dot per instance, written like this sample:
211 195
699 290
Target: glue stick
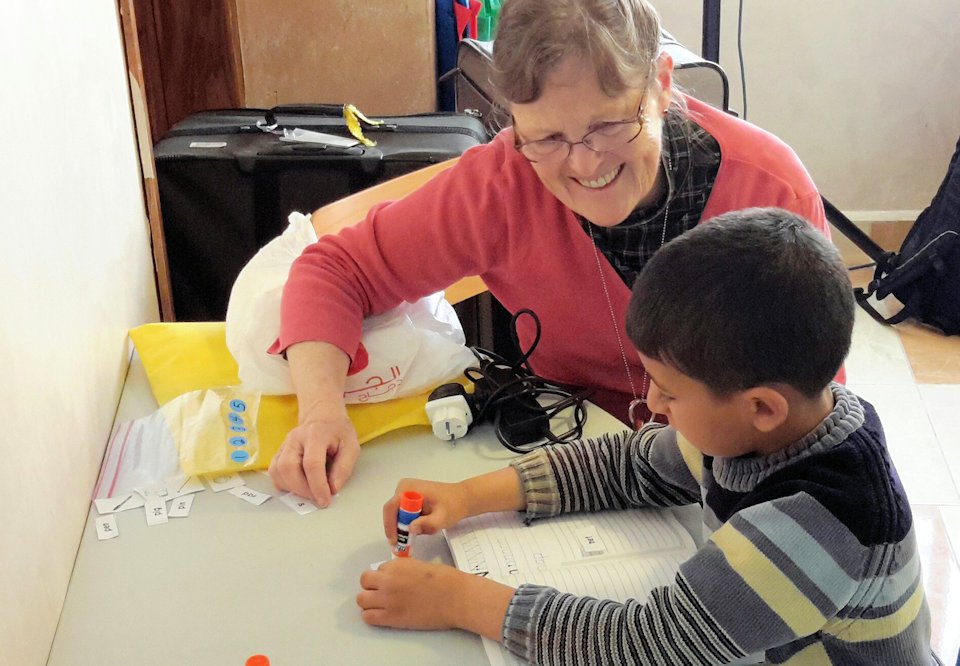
411 504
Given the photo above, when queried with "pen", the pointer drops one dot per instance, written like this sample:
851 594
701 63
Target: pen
411 504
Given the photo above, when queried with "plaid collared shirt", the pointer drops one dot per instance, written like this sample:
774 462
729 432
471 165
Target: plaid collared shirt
695 156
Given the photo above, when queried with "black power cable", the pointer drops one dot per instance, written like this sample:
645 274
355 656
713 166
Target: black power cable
520 404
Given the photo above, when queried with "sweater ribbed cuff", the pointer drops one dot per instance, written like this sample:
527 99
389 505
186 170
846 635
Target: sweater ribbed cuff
519 622
539 484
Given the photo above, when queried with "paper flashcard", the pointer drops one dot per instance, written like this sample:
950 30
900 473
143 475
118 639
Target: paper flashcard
135 501
180 485
155 509
107 505
298 504
107 527
180 507
249 495
589 540
218 482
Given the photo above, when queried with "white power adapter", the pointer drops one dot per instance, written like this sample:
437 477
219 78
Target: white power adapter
449 412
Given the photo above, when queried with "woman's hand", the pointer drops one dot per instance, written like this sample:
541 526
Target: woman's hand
444 504
409 594
317 457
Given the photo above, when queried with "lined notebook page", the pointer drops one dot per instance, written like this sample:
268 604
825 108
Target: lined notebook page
615 555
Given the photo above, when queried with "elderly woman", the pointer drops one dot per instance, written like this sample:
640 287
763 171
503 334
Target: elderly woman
605 163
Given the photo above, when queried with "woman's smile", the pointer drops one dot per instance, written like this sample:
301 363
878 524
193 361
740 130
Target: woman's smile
601 182
603 186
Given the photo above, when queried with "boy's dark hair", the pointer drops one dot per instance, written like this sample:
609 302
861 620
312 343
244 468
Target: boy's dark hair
749 298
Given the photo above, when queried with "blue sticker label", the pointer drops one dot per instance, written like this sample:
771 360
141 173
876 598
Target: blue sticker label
238 405
239 456
238 441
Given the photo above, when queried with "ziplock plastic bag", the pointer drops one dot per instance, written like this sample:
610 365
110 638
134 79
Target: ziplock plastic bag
403 352
140 454
222 430
215 430
209 431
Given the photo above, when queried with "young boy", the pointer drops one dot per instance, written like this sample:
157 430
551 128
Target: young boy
741 324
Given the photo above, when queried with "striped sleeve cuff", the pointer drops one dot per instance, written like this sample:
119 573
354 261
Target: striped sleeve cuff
519 623
539 484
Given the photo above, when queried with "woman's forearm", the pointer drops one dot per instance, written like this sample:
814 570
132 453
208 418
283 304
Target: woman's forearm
319 372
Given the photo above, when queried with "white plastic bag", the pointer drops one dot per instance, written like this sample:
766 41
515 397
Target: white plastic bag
405 351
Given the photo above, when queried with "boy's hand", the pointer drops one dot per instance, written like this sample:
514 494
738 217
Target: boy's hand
410 594
444 504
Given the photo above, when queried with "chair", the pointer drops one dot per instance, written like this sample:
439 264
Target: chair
333 217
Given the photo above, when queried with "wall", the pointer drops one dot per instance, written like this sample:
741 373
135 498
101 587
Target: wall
76 273
866 91
380 56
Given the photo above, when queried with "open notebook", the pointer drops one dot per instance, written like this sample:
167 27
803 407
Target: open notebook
615 555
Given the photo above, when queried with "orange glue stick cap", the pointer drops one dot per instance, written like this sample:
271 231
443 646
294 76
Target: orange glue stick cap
258 660
411 502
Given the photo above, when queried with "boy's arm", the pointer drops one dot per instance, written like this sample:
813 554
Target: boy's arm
495 491
615 471
759 583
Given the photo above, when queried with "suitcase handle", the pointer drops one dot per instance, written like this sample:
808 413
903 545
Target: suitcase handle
334 110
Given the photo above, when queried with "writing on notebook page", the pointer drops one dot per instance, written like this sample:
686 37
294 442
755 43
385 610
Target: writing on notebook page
616 554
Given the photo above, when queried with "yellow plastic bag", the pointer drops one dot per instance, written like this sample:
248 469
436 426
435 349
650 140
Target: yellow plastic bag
186 357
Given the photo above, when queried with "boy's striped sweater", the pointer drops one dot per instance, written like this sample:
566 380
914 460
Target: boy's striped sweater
810 555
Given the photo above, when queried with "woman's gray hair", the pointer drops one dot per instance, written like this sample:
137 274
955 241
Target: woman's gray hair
620 37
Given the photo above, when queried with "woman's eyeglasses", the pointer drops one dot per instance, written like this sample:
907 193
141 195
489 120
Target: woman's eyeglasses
609 136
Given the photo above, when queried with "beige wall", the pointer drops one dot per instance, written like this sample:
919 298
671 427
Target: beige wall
76 273
378 55
866 91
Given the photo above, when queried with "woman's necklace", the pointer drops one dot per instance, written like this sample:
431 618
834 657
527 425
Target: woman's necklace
641 400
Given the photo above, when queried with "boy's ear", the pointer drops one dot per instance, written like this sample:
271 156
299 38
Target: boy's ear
766 408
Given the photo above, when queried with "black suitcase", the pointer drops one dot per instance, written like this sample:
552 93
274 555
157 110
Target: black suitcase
472 87
701 78
228 181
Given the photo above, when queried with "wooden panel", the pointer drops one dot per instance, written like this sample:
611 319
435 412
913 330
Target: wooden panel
380 56
148 52
191 58
139 103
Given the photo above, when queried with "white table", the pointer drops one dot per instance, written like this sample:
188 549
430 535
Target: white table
234 579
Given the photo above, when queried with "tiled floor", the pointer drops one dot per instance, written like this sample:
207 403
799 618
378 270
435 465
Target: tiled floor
912 376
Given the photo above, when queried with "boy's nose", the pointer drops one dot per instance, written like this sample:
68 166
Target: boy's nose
655 400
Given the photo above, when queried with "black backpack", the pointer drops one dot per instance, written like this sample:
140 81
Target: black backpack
925 274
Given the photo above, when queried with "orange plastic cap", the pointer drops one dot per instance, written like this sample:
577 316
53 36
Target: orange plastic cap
411 501
258 660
